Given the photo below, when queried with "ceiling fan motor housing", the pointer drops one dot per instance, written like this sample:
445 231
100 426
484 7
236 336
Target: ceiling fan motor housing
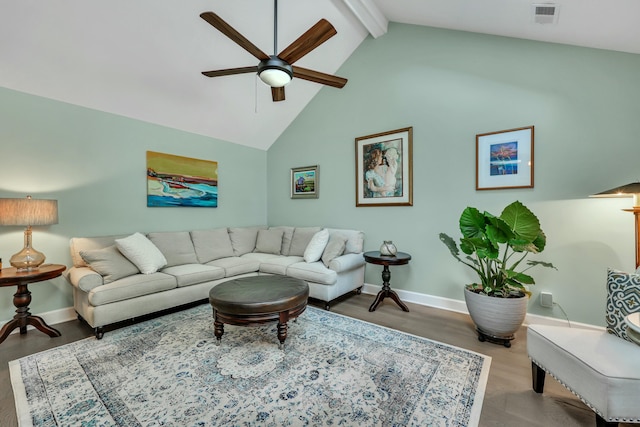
275 72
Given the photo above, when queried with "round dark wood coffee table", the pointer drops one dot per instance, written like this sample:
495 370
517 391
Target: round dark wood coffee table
253 301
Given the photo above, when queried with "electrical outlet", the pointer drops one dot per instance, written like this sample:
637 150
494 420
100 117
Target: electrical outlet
546 299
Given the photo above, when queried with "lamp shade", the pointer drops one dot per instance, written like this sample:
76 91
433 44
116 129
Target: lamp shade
629 190
28 211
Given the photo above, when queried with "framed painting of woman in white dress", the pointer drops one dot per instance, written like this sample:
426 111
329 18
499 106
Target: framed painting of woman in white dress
384 175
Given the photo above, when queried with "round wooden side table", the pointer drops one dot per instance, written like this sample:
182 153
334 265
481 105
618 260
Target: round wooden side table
22 298
374 257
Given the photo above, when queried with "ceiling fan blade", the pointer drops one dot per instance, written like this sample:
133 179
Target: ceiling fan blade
314 37
230 71
318 77
277 94
226 29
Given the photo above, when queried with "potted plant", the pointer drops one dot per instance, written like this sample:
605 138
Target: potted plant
496 248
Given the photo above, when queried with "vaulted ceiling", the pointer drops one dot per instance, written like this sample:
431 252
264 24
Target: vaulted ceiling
143 59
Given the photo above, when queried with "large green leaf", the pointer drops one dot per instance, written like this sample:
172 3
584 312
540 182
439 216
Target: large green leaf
522 221
472 223
450 243
540 241
498 231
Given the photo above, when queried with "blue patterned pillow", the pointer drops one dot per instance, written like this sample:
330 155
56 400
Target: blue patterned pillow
623 298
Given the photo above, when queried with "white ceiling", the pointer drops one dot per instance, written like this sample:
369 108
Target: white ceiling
143 58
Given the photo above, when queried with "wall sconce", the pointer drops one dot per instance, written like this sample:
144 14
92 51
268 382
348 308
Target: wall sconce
28 212
629 190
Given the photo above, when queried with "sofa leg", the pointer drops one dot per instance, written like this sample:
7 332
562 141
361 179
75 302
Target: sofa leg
327 306
537 375
601 422
99 331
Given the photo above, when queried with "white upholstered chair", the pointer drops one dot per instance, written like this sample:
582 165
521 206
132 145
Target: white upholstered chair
602 369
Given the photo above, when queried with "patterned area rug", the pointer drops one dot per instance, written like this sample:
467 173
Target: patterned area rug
334 371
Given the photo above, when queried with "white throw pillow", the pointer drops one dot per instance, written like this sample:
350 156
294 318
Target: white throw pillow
316 246
141 252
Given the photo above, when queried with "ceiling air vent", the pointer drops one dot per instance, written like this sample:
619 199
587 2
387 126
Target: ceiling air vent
545 13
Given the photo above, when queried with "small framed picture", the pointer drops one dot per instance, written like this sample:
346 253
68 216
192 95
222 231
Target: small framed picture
384 175
504 159
305 182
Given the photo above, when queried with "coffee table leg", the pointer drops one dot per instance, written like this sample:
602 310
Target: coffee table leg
218 328
282 328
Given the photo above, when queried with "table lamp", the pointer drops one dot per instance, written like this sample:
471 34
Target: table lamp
28 212
629 190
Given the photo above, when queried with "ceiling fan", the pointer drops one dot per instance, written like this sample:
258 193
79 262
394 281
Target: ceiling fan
278 70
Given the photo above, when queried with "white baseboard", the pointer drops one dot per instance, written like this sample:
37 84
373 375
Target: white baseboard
461 307
51 317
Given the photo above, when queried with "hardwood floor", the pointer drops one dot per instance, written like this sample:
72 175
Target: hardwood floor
508 401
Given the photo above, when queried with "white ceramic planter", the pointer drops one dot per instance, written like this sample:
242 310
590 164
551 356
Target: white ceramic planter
494 317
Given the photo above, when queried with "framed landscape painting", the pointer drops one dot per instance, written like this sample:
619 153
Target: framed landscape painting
305 182
181 181
504 159
384 175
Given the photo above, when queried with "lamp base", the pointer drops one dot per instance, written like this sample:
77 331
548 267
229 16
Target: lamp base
28 259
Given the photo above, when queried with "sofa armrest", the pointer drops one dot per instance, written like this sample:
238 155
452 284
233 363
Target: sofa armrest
84 278
346 262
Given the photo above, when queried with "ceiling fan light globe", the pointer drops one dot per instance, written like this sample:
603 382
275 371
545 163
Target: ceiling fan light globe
275 77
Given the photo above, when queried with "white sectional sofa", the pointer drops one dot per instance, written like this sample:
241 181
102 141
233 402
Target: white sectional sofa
109 287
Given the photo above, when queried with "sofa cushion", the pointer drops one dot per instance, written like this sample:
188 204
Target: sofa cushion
192 274
312 272
176 247
279 265
300 240
236 265
315 248
269 241
131 287
77 244
355 240
109 263
623 298
212 244
243 239
335 248
140 251
287 235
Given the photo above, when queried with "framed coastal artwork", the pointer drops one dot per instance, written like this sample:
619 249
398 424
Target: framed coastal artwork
305 182
181 181
384 169
504 159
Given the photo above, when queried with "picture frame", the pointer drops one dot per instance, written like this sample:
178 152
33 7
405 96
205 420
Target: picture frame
305 182
177 181
384 169
504 159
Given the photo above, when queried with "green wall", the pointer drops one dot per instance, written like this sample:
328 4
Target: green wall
451 86
94 164
448 85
